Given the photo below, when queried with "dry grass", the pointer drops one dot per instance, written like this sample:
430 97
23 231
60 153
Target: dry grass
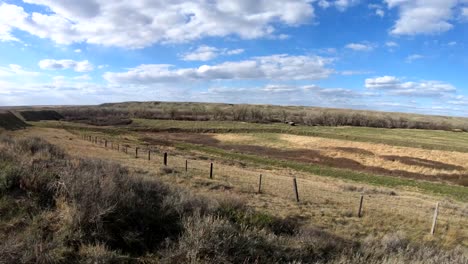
328 203
368 154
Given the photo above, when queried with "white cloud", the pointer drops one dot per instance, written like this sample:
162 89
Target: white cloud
391 44
345 4
360 47
137 24
422 16
78 66
14 70
413 57
77 50
341 5
5 34
206 53
349 73
378 9
274 67
465 11
84 77
324 4
396 86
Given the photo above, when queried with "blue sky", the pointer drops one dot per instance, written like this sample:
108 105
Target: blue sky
389 55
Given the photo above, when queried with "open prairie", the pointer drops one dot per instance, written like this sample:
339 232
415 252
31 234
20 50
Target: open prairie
399 174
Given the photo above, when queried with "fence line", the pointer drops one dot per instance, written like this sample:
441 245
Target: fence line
255 182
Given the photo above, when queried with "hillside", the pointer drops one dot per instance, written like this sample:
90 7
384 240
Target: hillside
310 116
39 115
9 121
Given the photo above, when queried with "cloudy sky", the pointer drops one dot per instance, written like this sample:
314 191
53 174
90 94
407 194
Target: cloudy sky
391 55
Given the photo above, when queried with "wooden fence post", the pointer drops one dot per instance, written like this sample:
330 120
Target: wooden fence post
360 206
149 154
434 221
136 152
165 158
260 184
186 165
295 189
211 170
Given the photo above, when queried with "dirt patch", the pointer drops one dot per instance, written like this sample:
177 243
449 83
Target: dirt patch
167 139
412 161
310 156
354 150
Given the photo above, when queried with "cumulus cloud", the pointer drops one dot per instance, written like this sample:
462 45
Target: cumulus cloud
422 16
341 5
396 86
391 44
78 66
206 53
360 46
465 12
413 57
137 24
378 9
274 67
14 70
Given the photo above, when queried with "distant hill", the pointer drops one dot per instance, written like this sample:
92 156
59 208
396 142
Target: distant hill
9 121
40 115
302 115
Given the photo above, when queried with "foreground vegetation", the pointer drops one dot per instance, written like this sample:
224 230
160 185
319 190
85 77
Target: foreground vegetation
59 209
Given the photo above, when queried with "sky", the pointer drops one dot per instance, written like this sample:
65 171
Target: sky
386 55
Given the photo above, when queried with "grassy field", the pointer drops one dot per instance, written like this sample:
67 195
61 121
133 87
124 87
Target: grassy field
109 207
427 139
400 173
329 202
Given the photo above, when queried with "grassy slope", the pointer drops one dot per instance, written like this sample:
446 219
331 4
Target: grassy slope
457 192
400 137
9 121
427 139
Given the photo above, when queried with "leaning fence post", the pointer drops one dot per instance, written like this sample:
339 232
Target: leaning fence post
211 170
434 221
260 184
295 189
360 206
165 158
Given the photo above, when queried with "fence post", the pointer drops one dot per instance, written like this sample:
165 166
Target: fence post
149 154
165 158
186 165
260 184
295 189
434 221
211 170
360 206
136 152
